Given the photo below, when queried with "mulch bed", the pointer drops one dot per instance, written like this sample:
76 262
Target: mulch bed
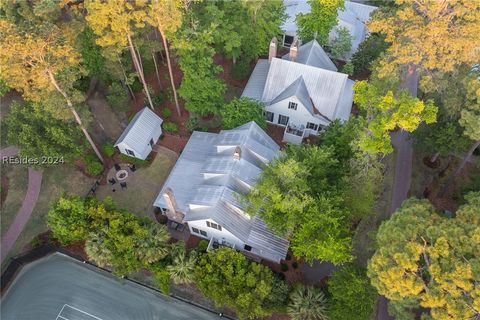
4 184
292 275
173 142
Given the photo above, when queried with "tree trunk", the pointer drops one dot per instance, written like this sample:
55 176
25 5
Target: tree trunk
434 157
453 176
165 46
140 60
156 69
126 80
137 66
76 116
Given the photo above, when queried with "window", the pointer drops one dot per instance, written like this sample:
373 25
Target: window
151 143
195 230
283 120
247 248
312 126
130 152
287 41
269 116
203 233
292 105
214 225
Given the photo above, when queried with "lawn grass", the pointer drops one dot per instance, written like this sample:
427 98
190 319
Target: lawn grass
143 185
17 189
364 238
57 179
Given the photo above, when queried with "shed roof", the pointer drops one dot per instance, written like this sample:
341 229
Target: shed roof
206 182
139 131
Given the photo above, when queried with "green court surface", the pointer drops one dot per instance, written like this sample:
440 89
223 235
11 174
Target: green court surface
58 287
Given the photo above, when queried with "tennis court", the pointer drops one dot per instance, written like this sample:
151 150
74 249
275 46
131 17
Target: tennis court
58 287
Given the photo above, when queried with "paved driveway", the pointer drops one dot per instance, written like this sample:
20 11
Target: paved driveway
60 288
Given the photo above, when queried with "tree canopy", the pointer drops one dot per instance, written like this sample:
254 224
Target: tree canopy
30 127
426 259
385 113
352 296
430 34
309 24
240 111
231 280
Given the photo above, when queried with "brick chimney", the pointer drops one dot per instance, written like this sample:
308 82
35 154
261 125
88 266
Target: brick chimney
238 153
293 50
172 212
272 51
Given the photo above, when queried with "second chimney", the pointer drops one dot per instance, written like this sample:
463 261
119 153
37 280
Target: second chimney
293 50
272 51
238 153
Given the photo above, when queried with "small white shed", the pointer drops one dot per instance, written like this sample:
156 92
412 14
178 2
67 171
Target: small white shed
141 134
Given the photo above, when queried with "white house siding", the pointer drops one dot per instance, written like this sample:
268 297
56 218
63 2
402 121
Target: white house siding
297 117
218 235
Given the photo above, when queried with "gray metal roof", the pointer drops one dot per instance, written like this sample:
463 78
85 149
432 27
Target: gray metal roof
206 182
312 54
353 18
325 87
256 82
299 90
139 131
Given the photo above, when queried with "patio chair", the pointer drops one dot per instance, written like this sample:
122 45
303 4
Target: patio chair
117 167
132 167
123 185
112 181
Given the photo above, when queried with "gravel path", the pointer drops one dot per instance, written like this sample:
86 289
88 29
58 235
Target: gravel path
23 214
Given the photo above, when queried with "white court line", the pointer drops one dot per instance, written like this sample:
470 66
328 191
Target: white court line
76 309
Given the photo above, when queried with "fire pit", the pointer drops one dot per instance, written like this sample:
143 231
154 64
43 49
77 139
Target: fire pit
121 175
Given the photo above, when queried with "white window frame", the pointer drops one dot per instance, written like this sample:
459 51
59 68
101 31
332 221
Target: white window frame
130 152
292 105
268 117
313 126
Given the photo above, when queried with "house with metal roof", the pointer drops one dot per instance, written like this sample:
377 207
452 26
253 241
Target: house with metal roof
302 91
204 187
353 18
141 134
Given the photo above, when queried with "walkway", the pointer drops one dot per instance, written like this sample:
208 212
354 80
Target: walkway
25 211
403 172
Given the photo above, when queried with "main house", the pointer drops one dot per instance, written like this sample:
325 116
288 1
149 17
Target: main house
204 186
302 91
353 18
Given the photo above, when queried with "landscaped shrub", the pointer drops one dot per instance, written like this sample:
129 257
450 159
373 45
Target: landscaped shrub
108 149
132 160
202 245
170 127
241 70
137 86
166 113
295 265
192 123
284 267
158 99
93 166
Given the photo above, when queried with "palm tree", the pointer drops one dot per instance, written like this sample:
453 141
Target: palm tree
182 268
307 303
154 246
98 252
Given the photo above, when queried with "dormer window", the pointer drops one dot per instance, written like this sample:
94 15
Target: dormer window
292 105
